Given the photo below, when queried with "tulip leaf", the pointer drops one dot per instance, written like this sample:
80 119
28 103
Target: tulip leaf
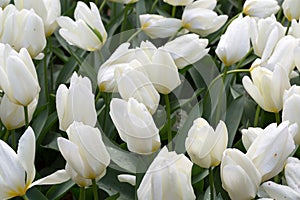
34 193
51 120
56 191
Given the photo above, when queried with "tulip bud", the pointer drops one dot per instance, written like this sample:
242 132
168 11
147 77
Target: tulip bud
178 2
76 103
157 26
12 115
271 148
261 9
168 177
124 1
204 145
87 31
291 173
135 125
249 136
198 17
4 3
274 190
235 42
48 10
18 76
191 49
263 82
239 176
85 151
291 9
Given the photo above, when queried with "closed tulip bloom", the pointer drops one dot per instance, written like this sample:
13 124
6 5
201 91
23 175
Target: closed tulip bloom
168 177
135 125
291 173
274 190
12 115
17 170
18 76
291 9
249 135
134 83
76 103
4 3
267 87
235 42
157 26
239 176
271 148
178 2
27 33
48 10
264 34
192 49
205 145
85 151
261 9
124 1
87 31
198 17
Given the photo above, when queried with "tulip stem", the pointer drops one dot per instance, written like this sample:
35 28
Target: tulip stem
288 28
244 58
125 18
102 5
46 76
168 110
277 116
211 183
256 116
153 6
7 132
25 197
134 35
26 116
82 193
225 74
95 189
173 11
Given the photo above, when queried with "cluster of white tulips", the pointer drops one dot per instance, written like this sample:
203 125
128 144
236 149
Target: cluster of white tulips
101 118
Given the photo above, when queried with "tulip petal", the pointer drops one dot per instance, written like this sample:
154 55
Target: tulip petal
57 177
277 191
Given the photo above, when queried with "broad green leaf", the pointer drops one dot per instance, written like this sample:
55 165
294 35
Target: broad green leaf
57 191
34 193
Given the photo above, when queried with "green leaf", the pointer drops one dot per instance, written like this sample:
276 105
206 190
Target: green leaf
51 120
34 193
113 197
56 191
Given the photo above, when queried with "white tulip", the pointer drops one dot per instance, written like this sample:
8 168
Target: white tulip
198 17
291 9
135 125
277 191
85 151
205 145
178 2
168 177
19 79
249 135
295 29
239 176
157 26
296 52
87 31
291 173
4 3
76 103
261 9
192 49
271 148
267 87
48 10
235 42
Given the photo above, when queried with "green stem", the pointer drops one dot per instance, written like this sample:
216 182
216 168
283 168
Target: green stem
26 116
173 36
13 140
288 28
77 58
173 11
153 6
277 116
256 116
25 197
82 193
168 110
51 66
244 58
125 18
106 97
7 132
98 96
225 74
95 189
134 35
46 76
102 5
211 183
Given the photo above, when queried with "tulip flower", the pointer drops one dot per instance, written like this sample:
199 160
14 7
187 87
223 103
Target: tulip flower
249 135
291 173
235 42
291 9
17 170
135 125
27 33
271 148
191 49
261 9
12 115
297 52
199 17
48 10
157 26
168 177
85 151
87 31
204 145
295 29
134 83
264 34
106 74
76 103
239 176
291 108
4 3
18 76
178 2
274 190
267 87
